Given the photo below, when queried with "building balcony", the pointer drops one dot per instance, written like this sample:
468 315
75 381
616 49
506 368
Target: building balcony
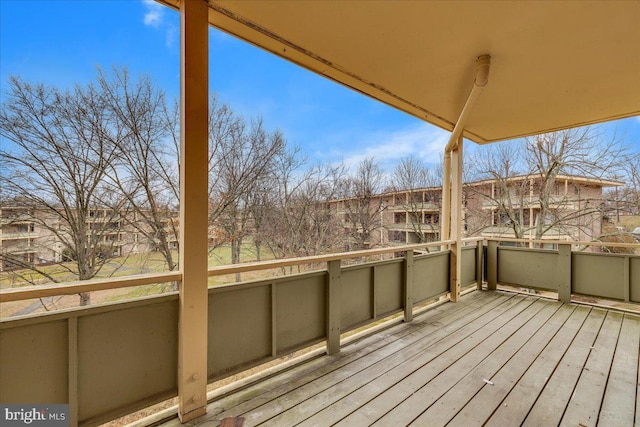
18 235
506 231
15 220
402 226
555 202
414 207
496 356
19 249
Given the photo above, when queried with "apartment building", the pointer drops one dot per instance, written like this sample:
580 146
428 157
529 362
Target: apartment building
573 210
31 235
569 208
17 236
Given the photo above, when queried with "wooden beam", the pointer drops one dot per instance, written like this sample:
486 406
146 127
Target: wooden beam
72 326
446 198
564 273
562 242
408 286
333 307
19 294
194 95
479 259
455 271
492 265
287 262
42 291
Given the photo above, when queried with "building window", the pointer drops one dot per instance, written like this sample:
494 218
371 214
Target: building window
400 217
397 236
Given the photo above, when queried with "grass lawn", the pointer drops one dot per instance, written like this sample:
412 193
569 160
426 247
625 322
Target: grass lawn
133 264
152 262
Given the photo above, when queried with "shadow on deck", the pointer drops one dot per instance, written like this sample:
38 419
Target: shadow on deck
494 358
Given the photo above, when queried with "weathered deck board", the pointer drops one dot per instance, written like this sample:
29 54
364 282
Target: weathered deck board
311 398
512 396
618 404
551 403
426 395
585 402
394 394
392 339
511 358
268 404
367 390
550 363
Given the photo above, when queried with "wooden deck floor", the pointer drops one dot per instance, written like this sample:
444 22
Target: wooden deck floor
493 359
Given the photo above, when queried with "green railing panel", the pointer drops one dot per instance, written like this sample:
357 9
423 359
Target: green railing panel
356 296
529 268
430 276
599 275
634 279
127 358
239 327
34 361
300 311
388 278
468 265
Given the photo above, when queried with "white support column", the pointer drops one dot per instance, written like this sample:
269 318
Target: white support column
456 222
194 93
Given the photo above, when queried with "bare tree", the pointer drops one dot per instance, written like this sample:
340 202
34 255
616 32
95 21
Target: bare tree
299 220
241 157
417 183
578 152
508 199
145 171
527 195
362 202
627 199
57 160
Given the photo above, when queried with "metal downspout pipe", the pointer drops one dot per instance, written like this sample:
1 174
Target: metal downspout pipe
483 64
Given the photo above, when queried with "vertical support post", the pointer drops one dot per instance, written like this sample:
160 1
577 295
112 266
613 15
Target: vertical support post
455 270
333 307
492 265
274 321
626 279
564 272
73 370
408 286
479 253
194 94
374 292
446 198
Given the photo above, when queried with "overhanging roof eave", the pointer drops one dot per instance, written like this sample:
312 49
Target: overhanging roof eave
224 16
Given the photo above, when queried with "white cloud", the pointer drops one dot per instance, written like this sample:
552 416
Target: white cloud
387 148
171 36
154 15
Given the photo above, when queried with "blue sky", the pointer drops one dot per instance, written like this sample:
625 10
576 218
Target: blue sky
62 42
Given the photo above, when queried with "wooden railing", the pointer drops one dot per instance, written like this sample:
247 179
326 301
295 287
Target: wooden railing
109 360
601 275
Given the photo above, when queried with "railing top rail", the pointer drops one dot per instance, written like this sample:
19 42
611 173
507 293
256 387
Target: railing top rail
70 288
288 262
473 239
564 242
